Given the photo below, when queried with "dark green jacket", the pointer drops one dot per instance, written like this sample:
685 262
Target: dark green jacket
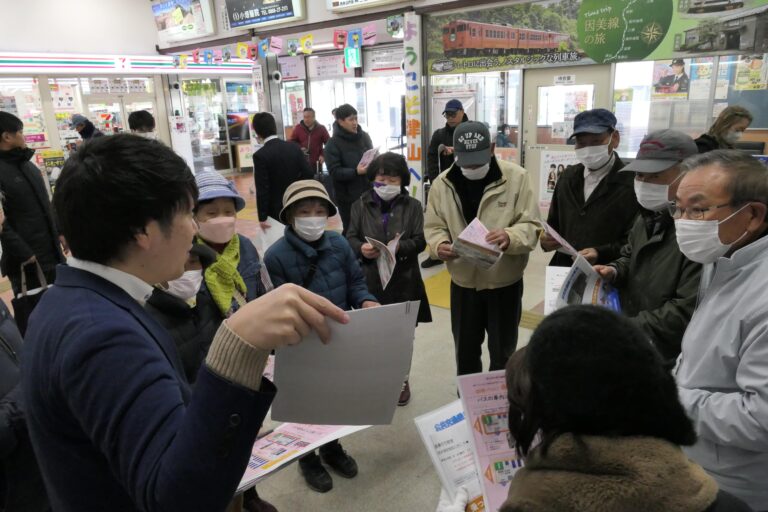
657 284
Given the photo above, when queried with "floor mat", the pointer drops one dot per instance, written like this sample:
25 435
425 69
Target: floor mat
439 294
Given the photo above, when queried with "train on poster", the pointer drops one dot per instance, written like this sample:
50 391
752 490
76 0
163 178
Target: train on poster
462 38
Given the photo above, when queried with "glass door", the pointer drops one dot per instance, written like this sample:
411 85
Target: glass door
549 111
207 122
384 112
293 97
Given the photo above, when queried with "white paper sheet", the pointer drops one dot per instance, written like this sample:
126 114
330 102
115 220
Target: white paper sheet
267 237
387 258
354 380
471 245
447 437
553 283
565 247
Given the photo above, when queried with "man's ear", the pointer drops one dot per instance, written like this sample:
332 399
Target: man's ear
759 211
143 238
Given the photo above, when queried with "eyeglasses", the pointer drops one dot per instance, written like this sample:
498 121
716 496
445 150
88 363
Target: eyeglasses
693 213
450 115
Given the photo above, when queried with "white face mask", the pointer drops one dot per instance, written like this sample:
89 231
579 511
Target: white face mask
387 192
653 196
310 229
593 157
477 173
732 137
699 240
187 285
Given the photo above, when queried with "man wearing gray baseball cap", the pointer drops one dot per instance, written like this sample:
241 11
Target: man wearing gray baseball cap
657 283
499 194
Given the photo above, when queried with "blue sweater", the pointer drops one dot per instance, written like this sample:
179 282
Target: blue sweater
338 277
114 425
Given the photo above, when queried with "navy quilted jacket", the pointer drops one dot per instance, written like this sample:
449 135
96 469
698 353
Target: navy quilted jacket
338 277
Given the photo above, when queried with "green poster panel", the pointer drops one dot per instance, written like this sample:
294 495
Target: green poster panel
621 30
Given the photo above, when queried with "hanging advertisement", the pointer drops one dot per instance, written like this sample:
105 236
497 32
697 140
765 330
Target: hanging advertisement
253 13
180 20
349 5
292 68
414 105
555 32
522 35
617 30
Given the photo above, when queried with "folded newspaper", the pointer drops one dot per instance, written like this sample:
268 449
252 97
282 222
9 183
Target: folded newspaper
585 286
387 258
471 245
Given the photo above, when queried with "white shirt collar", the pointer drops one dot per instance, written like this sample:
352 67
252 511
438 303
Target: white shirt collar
271 137
130 284
593 178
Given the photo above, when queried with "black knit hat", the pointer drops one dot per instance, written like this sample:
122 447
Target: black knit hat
593 372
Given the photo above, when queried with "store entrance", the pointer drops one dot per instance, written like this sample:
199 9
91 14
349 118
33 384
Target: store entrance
551 100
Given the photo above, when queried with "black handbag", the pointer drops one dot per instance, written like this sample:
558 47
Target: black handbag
24 303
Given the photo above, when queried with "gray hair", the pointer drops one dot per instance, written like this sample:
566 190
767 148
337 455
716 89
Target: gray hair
748 177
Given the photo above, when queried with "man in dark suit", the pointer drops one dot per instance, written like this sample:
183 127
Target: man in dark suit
275 166
114 424
29 234
593 206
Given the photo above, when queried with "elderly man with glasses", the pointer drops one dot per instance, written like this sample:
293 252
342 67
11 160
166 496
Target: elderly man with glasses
722 373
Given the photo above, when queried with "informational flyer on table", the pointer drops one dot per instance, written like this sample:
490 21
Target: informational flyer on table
484 398
446 435
553 164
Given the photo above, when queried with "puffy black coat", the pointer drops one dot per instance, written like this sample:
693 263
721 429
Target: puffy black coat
407 218
192 329
21 484
275 167
342 155
29 229
442 136
602 222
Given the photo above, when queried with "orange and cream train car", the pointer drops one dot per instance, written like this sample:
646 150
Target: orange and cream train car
463 38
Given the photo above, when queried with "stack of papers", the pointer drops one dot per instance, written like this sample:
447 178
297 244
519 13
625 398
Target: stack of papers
471 245
387 258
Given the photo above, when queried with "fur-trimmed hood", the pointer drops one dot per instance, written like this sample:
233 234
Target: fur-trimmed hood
610 474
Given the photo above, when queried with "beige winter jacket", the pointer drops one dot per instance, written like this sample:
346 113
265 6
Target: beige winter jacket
507 203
